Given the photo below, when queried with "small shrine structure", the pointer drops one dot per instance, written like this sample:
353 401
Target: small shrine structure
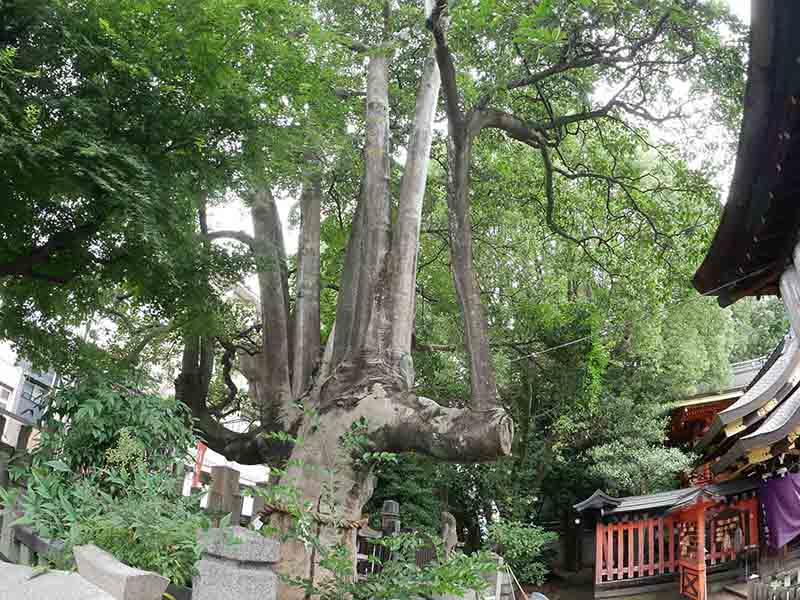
741 512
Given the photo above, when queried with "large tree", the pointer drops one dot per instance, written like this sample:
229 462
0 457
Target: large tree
558 90
365 374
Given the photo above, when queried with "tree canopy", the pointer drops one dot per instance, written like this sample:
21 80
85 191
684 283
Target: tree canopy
498 207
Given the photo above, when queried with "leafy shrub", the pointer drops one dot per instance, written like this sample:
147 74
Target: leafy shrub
523 547
103 474
151 529
83 422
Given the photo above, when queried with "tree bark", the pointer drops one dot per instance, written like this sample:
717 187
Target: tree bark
322 469
306 311
459 155
348 289
363 377
375 238
274 295
476 330
405 243
191 388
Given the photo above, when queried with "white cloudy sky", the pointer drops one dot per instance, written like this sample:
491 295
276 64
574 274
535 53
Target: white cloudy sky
236 216
741 8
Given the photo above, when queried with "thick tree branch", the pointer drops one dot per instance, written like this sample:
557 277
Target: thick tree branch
274 296
26 263
405 242
374 246
451 434
514 127
239 236
306 317
191 388
459 153
351 272
438 23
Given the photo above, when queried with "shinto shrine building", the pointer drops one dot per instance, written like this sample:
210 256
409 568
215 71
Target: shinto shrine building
741 515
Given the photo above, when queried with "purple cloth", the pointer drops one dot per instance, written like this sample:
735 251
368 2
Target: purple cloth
781 499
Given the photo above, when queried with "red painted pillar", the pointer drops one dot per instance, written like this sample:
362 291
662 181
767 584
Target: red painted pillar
692 559
599 542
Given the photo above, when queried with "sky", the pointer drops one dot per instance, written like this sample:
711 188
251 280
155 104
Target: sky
741 8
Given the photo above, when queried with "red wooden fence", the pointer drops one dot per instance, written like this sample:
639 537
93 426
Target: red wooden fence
649 547
630 549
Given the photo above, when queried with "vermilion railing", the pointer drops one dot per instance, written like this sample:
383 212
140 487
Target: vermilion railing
648 547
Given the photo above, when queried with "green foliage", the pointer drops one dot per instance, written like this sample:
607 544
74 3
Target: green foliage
116 119
117 116
95 419
152 529
357 443
523 547
129 453
758 326
102 473
398 578
412 482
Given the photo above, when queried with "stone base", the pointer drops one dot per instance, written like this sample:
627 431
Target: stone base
221 579
236 563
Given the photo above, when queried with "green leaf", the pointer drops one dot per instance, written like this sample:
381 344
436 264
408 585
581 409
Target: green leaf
58 465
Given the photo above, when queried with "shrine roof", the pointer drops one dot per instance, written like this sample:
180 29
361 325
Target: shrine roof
776 427
759 224
663 502
773 382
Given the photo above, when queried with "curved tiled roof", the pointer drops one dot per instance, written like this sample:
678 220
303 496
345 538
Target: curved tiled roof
763 389
663 502
782 365
778 424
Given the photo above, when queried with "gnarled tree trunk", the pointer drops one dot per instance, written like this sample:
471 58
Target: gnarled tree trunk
366 374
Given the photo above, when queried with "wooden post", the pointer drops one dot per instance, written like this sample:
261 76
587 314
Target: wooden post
671 544
753 520
641 547
258 500
701 551
610 552
4 479
598 551
631 561
661 545
651 560
180 477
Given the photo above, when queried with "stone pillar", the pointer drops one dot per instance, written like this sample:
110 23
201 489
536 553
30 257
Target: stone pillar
4 477
118 579
390 517
224 495
258 500
9 547
236 563
23 437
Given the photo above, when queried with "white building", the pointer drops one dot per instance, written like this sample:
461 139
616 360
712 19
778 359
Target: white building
22 390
